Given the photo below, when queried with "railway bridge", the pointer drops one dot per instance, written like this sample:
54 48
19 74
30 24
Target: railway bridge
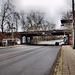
28 36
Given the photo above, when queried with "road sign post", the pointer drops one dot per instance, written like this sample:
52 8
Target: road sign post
73 10
73 35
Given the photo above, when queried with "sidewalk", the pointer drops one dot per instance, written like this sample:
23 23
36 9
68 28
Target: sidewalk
66 62
68 58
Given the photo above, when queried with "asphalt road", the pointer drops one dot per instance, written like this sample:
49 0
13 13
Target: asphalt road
27 60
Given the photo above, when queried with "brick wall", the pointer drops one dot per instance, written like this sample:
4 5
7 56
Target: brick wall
71 40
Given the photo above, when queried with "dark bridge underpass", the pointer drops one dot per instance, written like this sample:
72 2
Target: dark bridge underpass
28 36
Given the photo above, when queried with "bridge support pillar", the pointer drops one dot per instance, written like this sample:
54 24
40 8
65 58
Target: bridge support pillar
68 39
31 40
21 39
26 40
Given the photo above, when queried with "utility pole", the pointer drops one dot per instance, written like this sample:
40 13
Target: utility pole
12 35
73 10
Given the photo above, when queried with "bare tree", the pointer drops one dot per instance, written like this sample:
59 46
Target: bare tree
23 20
16 18
6 17
35 19
67 16
46 25
31 21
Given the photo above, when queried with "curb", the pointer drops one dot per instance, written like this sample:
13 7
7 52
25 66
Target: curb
52 72
9 46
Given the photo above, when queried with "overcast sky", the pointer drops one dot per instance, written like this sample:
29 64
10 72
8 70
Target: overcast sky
52 8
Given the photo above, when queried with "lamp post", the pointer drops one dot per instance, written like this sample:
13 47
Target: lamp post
73 9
